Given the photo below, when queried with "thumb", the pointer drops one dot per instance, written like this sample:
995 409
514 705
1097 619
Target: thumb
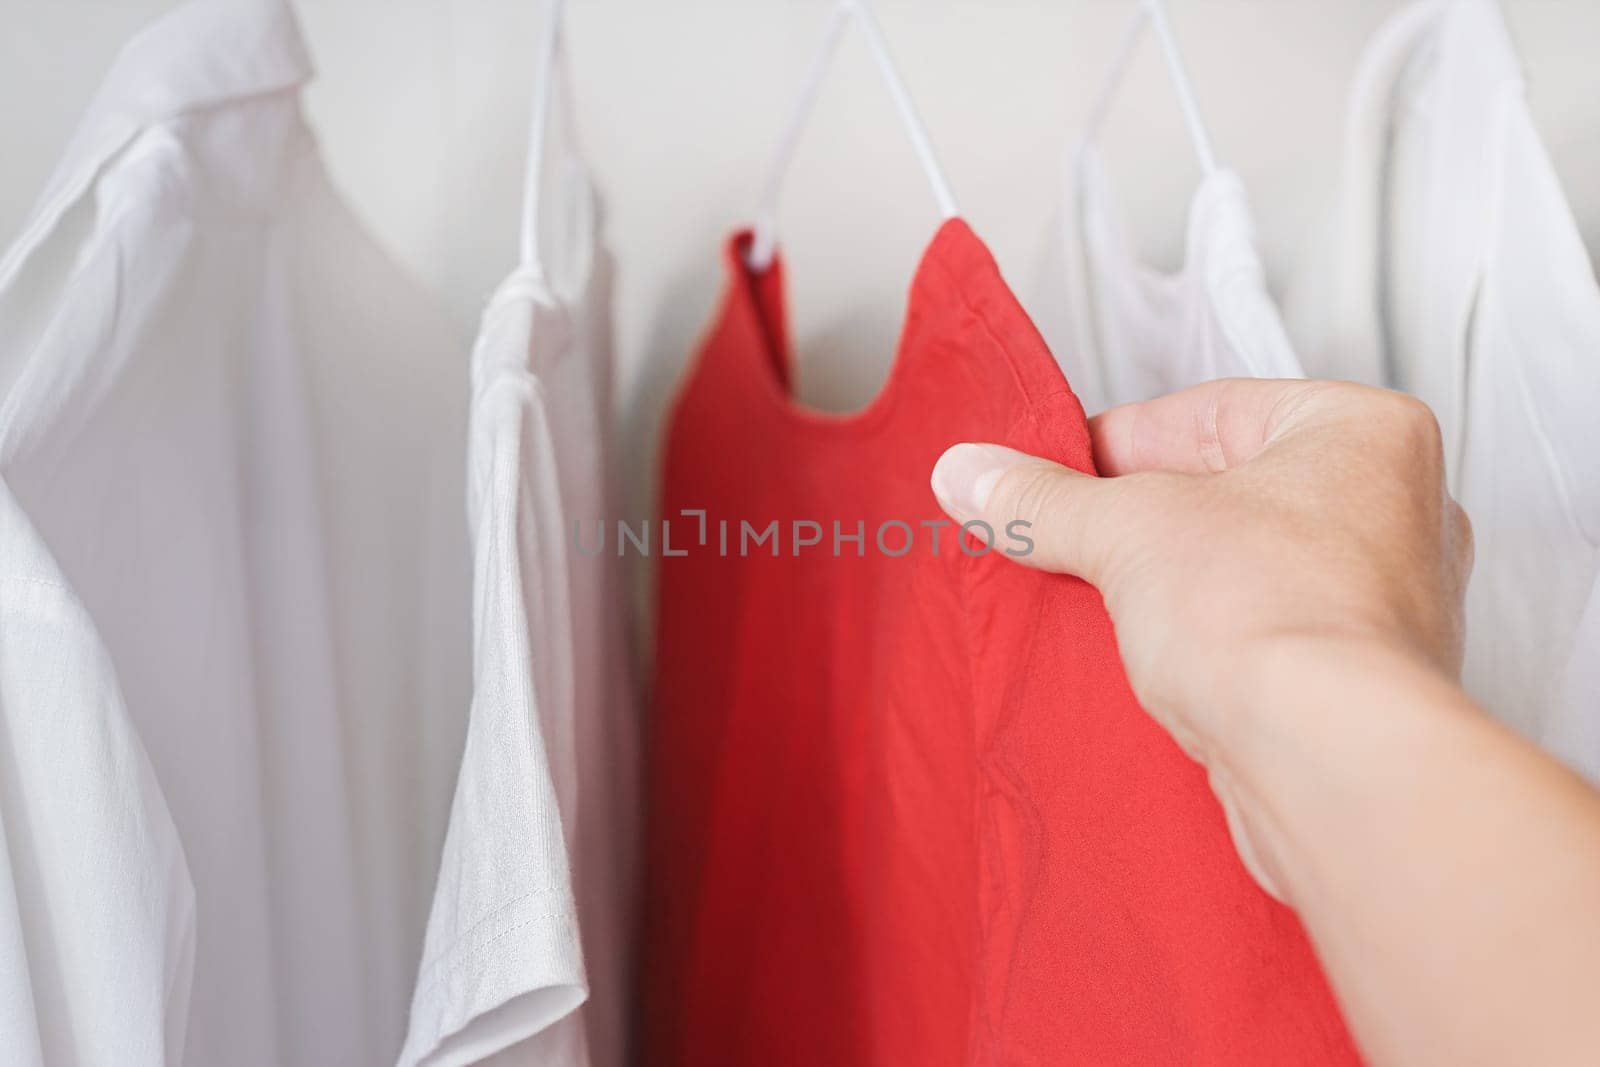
1068 515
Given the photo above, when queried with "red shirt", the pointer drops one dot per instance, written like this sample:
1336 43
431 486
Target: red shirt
905 808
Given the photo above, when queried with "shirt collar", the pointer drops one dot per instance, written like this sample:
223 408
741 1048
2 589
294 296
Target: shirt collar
202 54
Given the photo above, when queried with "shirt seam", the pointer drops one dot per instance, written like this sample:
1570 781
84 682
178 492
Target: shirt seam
988 1033
449 961
983 320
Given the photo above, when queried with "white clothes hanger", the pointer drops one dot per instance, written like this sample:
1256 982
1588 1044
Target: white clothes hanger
765 242
1154 13
551 65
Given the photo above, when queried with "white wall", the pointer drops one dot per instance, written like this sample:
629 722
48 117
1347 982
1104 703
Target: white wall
421 106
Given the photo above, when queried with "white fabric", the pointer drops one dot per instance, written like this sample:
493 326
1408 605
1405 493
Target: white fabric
542 830
1124 331
1458 274
1575 728
96 906
235 428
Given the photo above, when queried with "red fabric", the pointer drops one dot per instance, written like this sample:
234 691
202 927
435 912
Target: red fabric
906 810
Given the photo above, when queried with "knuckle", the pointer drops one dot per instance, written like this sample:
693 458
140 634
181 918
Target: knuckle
1301 398
1329 394
1405 433
1325 393
1031 493
1043 496
1134 511
1414 419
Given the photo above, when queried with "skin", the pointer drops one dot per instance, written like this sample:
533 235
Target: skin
1285 570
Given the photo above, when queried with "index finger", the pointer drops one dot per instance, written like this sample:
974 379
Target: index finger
1206 429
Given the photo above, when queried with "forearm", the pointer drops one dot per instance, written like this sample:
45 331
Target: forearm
1447 871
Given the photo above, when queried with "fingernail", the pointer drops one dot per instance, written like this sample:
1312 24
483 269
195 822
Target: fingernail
965 477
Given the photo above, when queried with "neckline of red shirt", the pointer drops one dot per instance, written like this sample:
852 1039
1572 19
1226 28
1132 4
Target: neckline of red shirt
758 306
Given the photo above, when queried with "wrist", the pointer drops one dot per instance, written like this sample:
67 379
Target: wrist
1299 686
1314 729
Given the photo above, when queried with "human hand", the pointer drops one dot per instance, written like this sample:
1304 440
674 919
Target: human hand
1237 517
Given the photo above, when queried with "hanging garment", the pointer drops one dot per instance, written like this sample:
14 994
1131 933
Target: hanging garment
904 806
1131 332
538 869
231 434
1459 275
1124 331
96 905
1577 728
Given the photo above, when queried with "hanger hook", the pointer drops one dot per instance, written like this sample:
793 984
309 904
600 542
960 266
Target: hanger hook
763 245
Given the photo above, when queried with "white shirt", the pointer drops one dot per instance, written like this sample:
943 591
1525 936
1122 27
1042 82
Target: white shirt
97 915
1458 274
543 828
232 431
1124 331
